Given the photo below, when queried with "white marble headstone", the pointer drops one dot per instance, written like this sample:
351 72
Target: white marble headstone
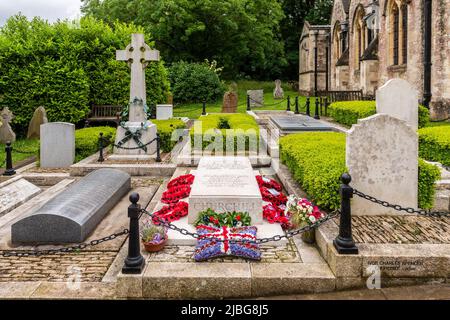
399 99
164 111
225 184
382 158
57 145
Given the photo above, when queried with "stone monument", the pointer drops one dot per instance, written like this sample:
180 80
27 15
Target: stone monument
278 92
256 98
57 145
6 132
138 131
164 111
382 158
34 127
230 102
14 192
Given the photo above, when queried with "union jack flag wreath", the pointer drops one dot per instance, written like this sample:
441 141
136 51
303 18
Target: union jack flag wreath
171 212
209 247
186 179
268 183
175 194
273 196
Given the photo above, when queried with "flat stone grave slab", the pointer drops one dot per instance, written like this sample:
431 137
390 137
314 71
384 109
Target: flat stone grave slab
300 123
73 214
14 192
225 184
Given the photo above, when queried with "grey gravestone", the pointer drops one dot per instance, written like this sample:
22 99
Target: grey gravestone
300 123
74 213
57 145
34 127
256 98
6 132
278 92
14 192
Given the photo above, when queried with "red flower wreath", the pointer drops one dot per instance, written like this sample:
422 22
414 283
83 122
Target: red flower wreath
273 196
174 194
268 183
186 179
171 212
275 214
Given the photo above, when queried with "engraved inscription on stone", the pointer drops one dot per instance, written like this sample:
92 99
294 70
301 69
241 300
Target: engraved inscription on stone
15 192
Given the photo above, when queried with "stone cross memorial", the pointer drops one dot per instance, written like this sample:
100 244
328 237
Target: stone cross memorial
57 145
278 92
6 132
138 54
34 127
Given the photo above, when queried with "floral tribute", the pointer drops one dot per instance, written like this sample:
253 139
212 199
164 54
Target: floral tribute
268 183
302 211
216 242
229 219
183 180
175 194
171 212
273 196
277 214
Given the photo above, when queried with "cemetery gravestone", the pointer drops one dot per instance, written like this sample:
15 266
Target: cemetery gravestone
382 158
34 127
225 184
256 98
230 102
73 214
6 132
399 99
15 192
164 111
278 92
57 145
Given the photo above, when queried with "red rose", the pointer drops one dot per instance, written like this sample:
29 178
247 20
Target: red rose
238 218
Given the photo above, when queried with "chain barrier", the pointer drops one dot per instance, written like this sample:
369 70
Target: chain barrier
134 148
287 235
426 213
24 152
37 253
267 105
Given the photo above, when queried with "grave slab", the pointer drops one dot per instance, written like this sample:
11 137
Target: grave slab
72 215
299 123
15 192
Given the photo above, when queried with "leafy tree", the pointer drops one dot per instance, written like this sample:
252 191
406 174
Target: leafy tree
242 35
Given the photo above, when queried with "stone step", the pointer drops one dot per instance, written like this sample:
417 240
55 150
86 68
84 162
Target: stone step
443 184
442 200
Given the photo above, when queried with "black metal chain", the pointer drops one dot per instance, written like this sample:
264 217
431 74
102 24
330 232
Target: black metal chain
287 235
134 148
37 253
426 213
24 152
267 105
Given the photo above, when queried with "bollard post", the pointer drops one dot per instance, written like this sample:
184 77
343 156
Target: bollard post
308 111
100 147
288 107
316 110
9 171
344 243
296 105
204 108
248 103
158 148
326 106
134 262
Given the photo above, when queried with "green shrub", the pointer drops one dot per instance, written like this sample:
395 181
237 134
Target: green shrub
86 140
165 130
428 174
348 112
317 161
434 144
194 82
219 126
66 68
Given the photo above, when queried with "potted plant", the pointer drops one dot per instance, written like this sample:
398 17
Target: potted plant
303 213
154 237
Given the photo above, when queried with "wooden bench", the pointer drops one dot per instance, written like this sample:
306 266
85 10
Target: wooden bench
104 113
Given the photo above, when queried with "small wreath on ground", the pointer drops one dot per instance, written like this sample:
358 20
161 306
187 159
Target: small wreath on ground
229 219
276 214
268 183
186 179
273 196
175 194
171 212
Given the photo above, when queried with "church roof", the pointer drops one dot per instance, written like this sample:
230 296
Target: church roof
346 4
371 52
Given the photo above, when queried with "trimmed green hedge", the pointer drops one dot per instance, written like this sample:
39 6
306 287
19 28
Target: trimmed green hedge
165 130
434 144
348 112
218 126
317 161
86 140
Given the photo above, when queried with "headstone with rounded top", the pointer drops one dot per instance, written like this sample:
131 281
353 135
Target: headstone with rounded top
278 92
6 132
34 128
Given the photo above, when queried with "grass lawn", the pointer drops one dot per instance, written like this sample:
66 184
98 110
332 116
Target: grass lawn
438 124
194 110
22 145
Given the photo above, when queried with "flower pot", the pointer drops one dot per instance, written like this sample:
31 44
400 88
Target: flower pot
309 236
154 247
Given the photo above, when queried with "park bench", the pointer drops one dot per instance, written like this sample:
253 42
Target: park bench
104 113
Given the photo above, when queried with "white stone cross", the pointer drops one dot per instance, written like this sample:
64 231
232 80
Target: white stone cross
137 54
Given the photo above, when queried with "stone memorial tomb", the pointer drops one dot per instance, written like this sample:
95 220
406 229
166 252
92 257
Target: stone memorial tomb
57 145
6 132
256 98
164 111
298 123
382 158
72 215
14 192
225 184
34 127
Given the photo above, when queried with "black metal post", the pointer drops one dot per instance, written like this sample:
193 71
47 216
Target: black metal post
158 148
100 147
327 61
296 105
315 63
9 171
316 109
134 263
288 106
325 101
308 111
344 243
248 103
427 13
204 108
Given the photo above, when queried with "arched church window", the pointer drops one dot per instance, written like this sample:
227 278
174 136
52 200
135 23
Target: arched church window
395 16
404 33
